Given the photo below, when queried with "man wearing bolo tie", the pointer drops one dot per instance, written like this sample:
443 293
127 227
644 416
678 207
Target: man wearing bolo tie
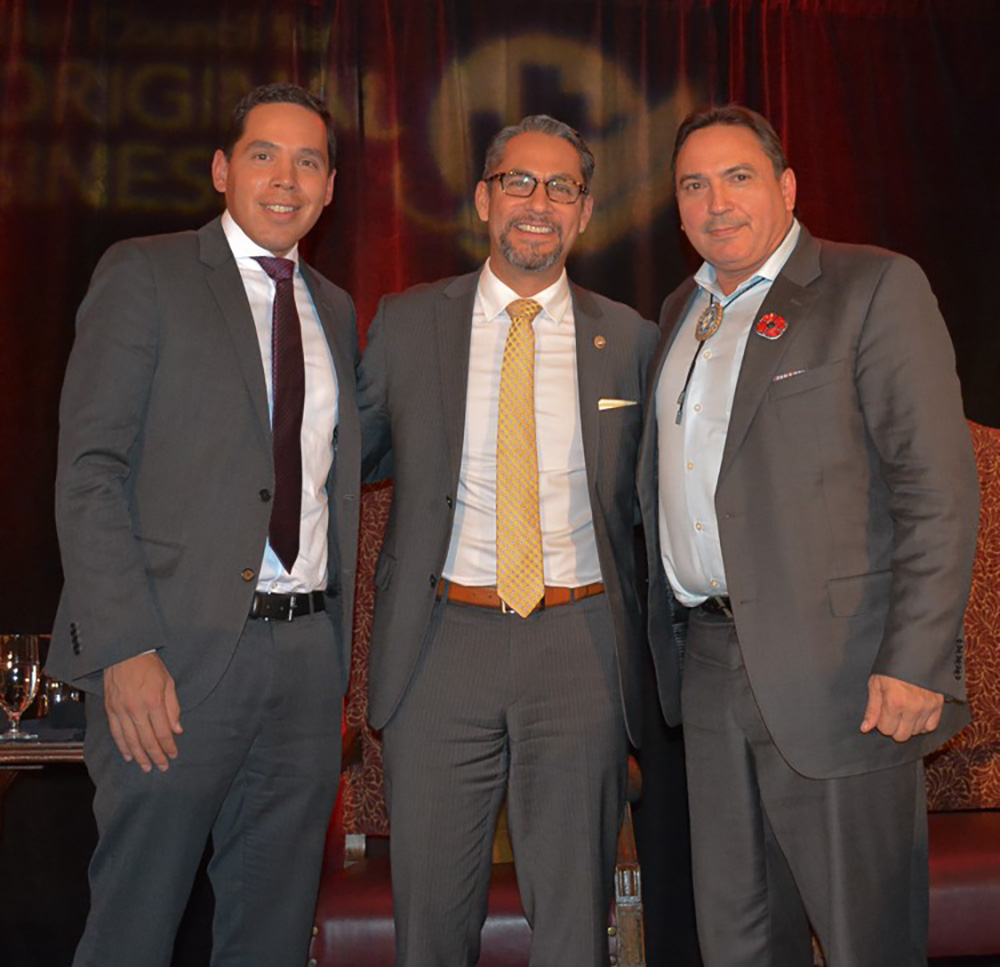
810 501
506 645
207 505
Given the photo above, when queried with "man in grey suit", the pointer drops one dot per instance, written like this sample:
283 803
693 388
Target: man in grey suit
810 494
506 638
207 505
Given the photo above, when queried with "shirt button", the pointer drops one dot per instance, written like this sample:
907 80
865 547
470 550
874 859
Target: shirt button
690 465
697 525
715 584
247 574
697 407
708 354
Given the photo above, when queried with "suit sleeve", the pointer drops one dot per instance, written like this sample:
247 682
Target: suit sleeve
105 395
373 402
910 397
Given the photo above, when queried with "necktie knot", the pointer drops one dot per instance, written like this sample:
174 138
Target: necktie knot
523 311
275 267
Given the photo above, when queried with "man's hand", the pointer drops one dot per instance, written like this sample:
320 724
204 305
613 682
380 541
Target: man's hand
143 710
901 710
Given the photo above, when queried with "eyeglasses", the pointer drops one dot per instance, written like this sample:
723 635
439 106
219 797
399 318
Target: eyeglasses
521 184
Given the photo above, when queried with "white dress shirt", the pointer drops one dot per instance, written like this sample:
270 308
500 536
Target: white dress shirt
690 453
319 416
569 549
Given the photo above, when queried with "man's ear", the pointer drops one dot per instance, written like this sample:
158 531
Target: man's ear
483 201
220 170
788 189
588 210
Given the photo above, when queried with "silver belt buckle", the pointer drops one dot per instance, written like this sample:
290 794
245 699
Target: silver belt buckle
291 607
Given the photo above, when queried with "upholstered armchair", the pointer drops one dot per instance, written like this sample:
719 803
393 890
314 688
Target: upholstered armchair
963 778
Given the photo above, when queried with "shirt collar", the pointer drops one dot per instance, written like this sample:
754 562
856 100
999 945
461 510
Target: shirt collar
244 247
706 276
494 296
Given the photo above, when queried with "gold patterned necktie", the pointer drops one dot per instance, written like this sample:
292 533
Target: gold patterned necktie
520 579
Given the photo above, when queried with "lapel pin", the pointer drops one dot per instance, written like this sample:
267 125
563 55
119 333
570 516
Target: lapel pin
600 342
771 326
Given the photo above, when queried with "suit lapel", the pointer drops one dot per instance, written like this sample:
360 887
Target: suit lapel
226 283
592 340
453 327
791 298
673 313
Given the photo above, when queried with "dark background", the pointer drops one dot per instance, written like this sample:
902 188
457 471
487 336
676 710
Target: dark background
110 112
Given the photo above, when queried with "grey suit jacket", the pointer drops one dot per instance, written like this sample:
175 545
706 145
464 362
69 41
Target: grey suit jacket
165 463
847 503
412 396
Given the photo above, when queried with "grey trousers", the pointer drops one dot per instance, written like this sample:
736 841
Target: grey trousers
257 770
775 852
530 707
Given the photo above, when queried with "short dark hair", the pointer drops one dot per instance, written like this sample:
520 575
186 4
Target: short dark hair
541 124
734 115
279 94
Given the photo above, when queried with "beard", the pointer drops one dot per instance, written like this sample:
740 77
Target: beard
528 258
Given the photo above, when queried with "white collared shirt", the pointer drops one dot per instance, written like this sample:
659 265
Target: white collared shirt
569 549
319 417
690 454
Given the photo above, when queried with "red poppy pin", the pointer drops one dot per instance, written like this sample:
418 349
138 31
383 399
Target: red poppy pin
771 325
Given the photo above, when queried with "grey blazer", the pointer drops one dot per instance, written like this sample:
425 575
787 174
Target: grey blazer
412 396
165 463
847 503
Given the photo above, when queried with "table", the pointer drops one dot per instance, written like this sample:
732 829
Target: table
52 746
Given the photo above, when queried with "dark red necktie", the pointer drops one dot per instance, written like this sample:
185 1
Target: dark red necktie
288 381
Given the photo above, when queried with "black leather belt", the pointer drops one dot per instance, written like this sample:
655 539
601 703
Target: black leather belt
718 604
285 607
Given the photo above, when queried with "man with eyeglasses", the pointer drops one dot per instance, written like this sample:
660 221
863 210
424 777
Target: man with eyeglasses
507 635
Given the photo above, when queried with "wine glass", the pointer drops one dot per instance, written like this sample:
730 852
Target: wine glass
18 681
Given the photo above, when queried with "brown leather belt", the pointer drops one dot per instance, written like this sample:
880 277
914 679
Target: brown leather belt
487 597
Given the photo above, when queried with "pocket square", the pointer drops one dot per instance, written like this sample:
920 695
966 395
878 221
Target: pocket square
612 404
789 375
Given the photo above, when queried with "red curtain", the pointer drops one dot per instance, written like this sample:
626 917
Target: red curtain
110 112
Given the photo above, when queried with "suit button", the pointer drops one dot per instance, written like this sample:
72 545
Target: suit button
265 495
247 574
434 580
449 501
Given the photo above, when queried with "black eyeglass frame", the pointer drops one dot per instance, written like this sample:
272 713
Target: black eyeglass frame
561 179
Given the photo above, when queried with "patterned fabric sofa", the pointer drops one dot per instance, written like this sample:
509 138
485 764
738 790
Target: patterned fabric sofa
963 778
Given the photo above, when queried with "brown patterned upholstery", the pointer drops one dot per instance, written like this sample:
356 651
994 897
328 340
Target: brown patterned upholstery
362 798
965 774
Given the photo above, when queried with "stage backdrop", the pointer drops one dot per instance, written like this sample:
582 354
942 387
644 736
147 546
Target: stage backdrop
110 111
